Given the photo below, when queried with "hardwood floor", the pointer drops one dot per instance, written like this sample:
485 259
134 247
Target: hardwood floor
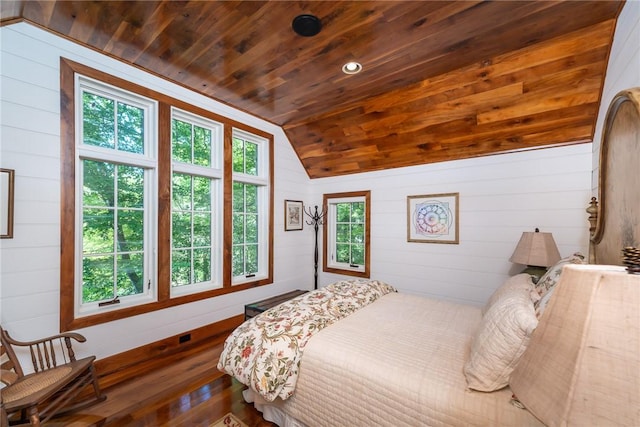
188 392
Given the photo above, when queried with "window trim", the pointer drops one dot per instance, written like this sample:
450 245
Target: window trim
68 320
146 161
261 180
327 200
214 173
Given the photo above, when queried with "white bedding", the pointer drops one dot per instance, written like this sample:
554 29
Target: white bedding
398 361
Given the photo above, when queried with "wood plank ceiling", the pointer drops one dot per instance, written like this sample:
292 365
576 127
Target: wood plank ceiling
441 80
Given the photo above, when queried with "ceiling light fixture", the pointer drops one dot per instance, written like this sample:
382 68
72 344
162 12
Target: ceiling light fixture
352 68
306 25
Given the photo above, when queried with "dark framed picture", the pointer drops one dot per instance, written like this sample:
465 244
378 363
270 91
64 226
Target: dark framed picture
433 218
293 215
6 203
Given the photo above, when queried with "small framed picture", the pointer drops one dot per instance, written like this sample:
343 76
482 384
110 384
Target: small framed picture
293 215
6 203
433 218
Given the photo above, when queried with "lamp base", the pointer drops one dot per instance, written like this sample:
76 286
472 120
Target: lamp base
536 272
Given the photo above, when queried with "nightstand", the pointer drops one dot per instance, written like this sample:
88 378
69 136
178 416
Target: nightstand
255 308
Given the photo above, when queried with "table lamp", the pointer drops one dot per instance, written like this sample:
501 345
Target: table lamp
537 251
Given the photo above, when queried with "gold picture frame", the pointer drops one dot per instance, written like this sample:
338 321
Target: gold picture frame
293 215
7 177
433 218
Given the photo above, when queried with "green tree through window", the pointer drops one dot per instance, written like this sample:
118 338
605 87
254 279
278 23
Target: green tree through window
113 228
193 218
146 223
248 212
346 233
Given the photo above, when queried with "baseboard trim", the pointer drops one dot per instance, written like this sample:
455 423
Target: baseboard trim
132 363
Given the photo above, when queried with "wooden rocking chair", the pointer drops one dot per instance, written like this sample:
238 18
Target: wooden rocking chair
58 378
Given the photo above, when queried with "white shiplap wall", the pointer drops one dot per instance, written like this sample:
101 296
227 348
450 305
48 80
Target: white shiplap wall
500 197
623 71
30 138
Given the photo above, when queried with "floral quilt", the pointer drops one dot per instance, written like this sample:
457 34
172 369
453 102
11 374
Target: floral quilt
264 352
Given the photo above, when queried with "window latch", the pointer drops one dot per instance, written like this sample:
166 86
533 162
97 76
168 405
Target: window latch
250 275
116 300
354 265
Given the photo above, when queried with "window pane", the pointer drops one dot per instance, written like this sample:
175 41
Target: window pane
357 233
181 141
130 128
201 229
357 254
343 212
98 277
202 265
181 192
251 198
181 230
238 228
251 158
98 183
357 212
130 186
201 193
342 233
238 197
251 229
202 146
130 230
342 253
252 259
180 267
98 120
238 260
130 274
238 155
97 231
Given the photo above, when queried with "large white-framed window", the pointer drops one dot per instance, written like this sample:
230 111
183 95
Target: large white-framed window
116 170
196 203
346 233
147 200
250 253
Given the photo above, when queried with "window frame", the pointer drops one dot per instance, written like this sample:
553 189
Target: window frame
215 174
261 180
329 233
146 161
68 127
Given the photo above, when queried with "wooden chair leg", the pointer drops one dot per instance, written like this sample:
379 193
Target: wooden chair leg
34 418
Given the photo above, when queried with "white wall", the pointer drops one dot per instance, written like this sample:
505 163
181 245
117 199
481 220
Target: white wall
500 197
623 71
30 138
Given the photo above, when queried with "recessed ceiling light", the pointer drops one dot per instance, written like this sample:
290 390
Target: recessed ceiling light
352 68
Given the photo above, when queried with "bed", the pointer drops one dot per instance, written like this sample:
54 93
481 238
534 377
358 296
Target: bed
374 356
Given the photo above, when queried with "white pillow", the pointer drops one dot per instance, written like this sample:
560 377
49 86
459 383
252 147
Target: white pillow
519 281
500 340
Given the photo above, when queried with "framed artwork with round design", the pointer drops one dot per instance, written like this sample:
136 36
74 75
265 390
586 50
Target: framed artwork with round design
433 218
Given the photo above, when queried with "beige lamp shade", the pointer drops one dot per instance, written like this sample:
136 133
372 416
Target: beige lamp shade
582 365
536 249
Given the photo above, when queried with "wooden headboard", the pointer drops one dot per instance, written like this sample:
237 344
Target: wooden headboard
615 216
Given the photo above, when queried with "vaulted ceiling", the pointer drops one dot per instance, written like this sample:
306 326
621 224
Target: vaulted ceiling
441 80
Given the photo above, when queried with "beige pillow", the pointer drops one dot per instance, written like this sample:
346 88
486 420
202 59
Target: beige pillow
500 340
547 283
519 281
